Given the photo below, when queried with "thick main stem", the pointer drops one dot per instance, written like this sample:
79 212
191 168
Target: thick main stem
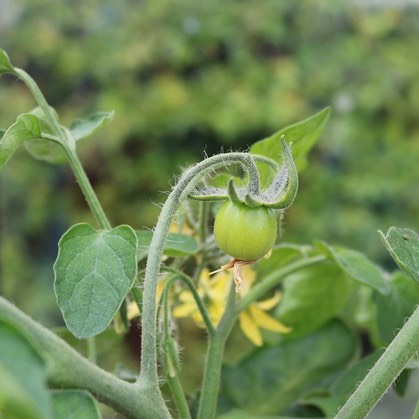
384 372
68 369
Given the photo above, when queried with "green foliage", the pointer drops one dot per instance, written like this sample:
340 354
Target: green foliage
22 376
358 266
74 403
218 74
27 127
85 127
93 273
271 379
303 136
177 244
313 296
403 245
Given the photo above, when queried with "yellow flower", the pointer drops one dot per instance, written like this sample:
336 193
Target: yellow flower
214 291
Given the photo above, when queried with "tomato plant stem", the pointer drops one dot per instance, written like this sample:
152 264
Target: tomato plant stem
67 142
384 372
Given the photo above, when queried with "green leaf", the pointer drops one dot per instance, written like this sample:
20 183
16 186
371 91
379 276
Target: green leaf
26 127
303 136
272 378
23 393
74 404
94 271
403 245
313 296
83 128
393 309
177 244
357 266
41 148
281 255
5 64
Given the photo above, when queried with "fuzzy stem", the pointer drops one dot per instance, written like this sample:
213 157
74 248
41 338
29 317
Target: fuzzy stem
199 303
67 142
87 189
214 359
68 369
148 373
384 372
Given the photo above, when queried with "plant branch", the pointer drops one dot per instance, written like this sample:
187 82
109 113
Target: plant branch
68 369
384 372
187 183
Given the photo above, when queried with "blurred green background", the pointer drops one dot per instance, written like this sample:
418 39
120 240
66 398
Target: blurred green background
189 78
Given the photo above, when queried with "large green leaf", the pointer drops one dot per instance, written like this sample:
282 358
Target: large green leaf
5 64
403 245
303 136
272 378
177 244
280 256
78 404
313 296
26 127
83 128
395 308
23 393
340 390
94 271
356 265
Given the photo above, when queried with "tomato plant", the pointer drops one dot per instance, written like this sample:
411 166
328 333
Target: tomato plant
243 232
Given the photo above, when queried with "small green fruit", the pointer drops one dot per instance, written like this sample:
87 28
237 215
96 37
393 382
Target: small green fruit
243 232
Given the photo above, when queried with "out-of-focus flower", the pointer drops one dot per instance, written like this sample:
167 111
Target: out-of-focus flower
214 291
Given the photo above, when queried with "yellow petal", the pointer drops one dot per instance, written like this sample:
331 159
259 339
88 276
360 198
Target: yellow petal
269 303
132 310
266 321
249 329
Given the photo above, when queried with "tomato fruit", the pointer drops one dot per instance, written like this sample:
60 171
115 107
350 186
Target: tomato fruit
243 232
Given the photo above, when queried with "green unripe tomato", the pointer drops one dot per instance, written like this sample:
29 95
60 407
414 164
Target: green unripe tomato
243 232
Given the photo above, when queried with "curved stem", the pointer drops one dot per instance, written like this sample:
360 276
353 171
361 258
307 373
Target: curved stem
190 178
68 369
201 307
66 141
384 372
40 99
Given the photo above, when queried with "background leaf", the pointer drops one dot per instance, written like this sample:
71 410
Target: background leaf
177 244
403 245
83 128
5 64
303 136
26 127
42 149
271 378
313 296
393 309
356 265
22 385
280 256
94 272
74 404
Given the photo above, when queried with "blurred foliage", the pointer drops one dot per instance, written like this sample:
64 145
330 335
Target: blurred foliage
188 78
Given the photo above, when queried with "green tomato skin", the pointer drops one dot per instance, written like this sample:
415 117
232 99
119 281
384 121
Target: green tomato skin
243 232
